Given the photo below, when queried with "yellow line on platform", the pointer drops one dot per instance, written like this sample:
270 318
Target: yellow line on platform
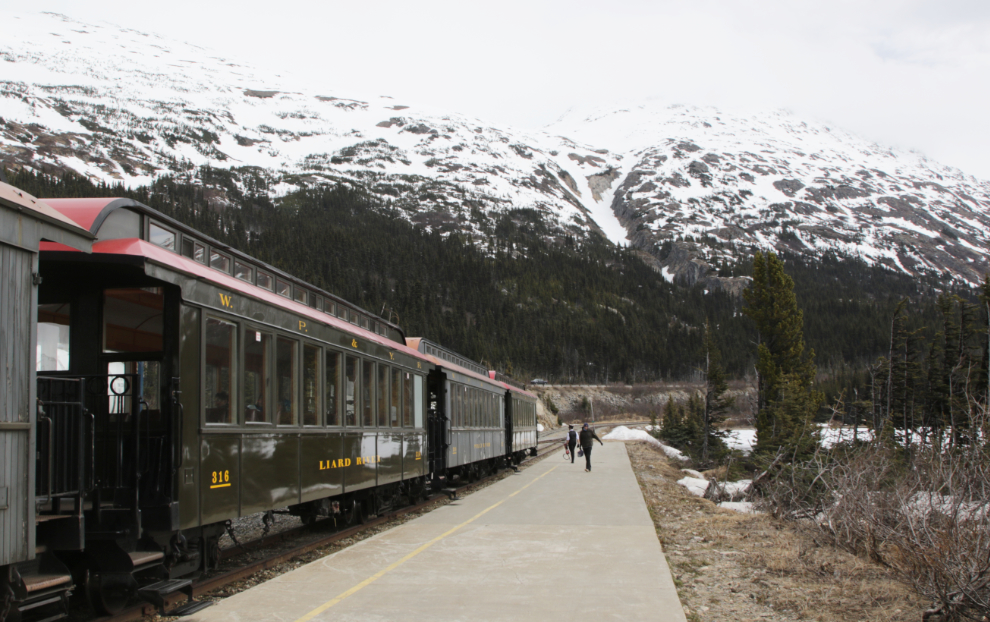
378 575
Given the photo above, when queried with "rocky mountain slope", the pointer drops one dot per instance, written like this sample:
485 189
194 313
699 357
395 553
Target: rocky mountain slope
694 188
116 104
774 181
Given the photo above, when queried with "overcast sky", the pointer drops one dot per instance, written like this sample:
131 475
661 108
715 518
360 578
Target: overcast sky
910 73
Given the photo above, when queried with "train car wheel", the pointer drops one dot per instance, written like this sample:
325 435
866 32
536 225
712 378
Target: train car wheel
109 592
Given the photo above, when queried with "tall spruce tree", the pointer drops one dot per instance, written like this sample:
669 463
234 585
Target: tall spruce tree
786 399
716 403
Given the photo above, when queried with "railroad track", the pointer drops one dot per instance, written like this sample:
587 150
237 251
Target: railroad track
209 584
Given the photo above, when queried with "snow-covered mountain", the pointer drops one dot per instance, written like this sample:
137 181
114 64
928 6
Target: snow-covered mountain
117 104
776 181
694 187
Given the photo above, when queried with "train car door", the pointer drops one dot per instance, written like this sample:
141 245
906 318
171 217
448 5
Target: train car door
133 420
437 424
507 418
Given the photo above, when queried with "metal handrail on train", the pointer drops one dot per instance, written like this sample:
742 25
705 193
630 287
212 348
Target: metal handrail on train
61 412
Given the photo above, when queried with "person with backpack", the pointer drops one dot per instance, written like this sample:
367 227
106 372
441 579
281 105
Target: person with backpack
588 437
571 441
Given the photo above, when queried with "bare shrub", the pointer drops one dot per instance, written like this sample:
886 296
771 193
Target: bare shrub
923 512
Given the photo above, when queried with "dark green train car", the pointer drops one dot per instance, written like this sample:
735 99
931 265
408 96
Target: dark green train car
218 387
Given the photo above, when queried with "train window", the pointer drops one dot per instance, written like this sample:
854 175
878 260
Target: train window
351 405
193 250
457 416
416 397
219 261
161 236
220 347
302 296
243 271
368 393
285 380
264 281
316 302
257 376
365 322
311 385
53 337
352 317
408 404
132 319
383 396
329 307
283 288
333 388
396 397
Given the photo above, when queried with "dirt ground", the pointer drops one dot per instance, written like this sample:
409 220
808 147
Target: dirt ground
748 567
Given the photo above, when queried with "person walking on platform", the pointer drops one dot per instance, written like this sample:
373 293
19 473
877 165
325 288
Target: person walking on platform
588 438
571 440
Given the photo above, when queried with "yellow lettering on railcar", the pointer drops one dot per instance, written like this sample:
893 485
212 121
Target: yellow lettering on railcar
354 343
335 464
226 300
419 365
482 445
220 479
454 451
302 326
419 455
391 355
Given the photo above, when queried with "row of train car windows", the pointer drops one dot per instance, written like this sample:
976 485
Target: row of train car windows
465 363
281 380
474 408
523 413
166 238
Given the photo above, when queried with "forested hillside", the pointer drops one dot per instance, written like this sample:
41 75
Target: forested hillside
570 311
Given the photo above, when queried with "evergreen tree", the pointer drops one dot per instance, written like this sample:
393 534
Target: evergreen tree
786 399
676 429
716 403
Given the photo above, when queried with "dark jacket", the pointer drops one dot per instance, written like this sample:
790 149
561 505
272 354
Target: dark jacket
571 438
588 437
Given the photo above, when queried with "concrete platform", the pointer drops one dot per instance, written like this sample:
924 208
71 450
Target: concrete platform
551 542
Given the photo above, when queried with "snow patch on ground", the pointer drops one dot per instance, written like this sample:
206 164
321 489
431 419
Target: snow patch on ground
743 440
695 485
745 507
622 433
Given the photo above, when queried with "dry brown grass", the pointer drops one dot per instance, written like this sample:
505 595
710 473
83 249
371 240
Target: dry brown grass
731 566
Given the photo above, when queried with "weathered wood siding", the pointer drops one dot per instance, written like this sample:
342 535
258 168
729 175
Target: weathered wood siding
17 295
